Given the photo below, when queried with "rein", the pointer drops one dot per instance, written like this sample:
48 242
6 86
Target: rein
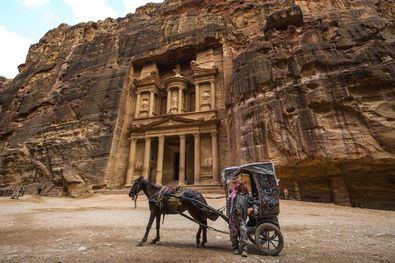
203 225
151 199
137 195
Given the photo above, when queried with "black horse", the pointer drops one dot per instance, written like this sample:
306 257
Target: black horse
158 208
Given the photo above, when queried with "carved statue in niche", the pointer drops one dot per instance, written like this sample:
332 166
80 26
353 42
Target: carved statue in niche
206 96
174 100
177 71
144 105
174 103
205 100
208 162
138 165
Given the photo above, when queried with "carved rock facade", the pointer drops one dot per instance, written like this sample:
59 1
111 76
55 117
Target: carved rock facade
307 84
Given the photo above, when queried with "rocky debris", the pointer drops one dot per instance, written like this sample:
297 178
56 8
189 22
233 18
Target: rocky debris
308 84
75 184
82 248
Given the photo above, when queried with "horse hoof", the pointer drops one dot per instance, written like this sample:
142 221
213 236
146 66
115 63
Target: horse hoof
202 245
139 244
153 242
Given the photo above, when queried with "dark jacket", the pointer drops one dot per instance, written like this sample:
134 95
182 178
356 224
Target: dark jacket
241 201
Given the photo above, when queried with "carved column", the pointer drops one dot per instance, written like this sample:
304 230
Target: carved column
180 90
147 158
132 161
197 97
214 152
138 100
168 100
159 170
197 158
151 104
181 177
212 93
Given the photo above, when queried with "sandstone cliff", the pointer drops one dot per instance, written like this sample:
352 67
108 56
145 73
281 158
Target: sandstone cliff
308 84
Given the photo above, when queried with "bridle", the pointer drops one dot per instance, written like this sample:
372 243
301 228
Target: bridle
150 198
137 194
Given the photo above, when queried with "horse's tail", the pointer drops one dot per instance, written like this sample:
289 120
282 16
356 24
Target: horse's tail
213 216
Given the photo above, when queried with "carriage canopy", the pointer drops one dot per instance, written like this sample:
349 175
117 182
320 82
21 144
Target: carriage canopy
262 184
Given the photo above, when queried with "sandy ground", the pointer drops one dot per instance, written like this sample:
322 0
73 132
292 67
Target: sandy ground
104 228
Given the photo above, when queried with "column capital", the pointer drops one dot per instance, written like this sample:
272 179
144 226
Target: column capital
154 90
147 139
182 136
196 134
214 133
133 139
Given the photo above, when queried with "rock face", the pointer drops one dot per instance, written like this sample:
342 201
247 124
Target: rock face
308 84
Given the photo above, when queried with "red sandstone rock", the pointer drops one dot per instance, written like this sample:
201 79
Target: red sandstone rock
307 84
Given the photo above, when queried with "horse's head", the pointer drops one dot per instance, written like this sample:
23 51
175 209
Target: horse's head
136 187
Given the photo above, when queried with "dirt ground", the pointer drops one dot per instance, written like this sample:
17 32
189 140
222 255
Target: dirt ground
105 228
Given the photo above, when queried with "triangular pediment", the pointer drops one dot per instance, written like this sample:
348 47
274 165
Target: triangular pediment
151 80
171 121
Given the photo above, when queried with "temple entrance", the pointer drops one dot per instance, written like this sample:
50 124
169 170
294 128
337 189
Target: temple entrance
171 160
171 157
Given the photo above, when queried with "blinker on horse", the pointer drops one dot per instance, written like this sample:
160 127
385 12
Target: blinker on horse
159 205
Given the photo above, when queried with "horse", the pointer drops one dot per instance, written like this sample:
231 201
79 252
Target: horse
157 209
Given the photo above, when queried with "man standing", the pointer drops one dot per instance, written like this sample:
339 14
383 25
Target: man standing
241 205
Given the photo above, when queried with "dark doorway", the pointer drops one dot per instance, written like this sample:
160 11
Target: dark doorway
176 166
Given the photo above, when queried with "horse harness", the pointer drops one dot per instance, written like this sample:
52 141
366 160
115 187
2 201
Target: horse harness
170 195
173 195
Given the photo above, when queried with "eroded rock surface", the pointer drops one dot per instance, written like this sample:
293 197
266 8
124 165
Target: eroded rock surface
308 84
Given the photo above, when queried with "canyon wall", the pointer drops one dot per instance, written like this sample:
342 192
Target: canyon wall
308 84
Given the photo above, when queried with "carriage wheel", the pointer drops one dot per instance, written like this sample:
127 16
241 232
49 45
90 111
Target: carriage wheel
251 237
268 239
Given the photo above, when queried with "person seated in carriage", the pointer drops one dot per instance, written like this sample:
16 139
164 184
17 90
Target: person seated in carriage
242 205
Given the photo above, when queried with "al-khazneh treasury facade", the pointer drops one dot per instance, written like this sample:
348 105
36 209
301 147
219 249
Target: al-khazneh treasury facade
176 135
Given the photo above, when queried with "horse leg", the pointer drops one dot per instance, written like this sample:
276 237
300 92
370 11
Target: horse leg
151 220
195 214
204 241
198 236
157 238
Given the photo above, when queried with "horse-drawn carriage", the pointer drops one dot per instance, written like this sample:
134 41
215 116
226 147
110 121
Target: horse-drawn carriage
263 228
